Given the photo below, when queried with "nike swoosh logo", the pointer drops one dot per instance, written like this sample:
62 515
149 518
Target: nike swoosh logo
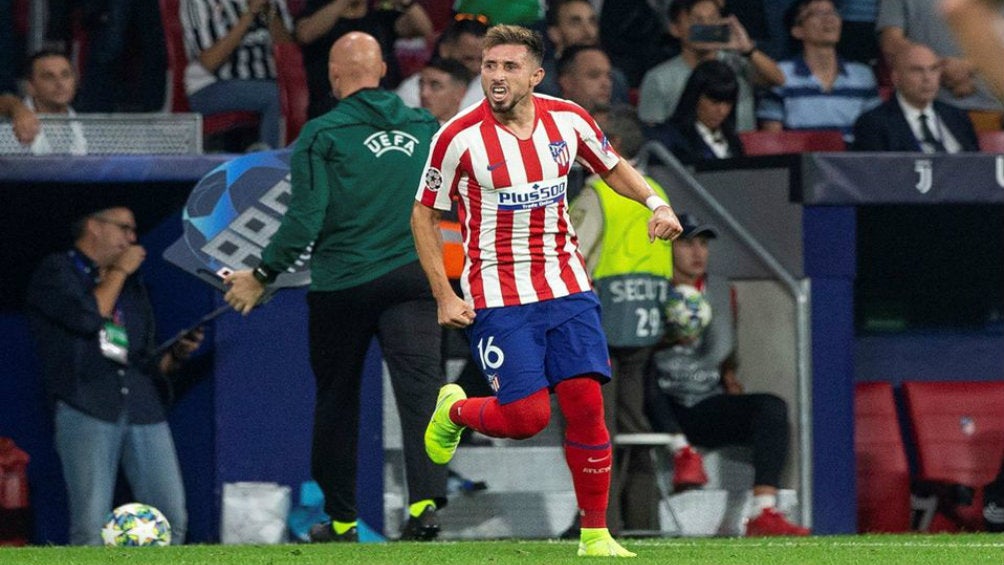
494 166
595 460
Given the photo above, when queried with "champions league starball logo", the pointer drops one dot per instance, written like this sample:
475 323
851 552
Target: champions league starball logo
232 214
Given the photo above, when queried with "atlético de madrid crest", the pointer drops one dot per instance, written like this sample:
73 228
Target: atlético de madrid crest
559 151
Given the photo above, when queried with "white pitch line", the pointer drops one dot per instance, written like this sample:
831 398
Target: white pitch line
821 543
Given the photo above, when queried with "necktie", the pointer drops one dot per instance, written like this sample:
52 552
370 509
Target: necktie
928 136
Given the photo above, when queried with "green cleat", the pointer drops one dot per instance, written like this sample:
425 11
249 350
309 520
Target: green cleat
597 542
442 435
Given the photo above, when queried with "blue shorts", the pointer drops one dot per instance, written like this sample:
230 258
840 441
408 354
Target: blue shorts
522 349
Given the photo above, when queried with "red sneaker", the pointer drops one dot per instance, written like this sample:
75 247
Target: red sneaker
770 522
688 470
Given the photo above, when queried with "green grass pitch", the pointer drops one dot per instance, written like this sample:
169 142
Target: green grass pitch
911 549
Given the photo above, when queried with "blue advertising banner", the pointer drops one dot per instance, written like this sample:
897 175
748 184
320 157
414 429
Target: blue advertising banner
901 178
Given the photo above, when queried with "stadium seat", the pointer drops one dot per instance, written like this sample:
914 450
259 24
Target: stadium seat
790 141
986 120
293 94
958 428
883 475
176 63
991 141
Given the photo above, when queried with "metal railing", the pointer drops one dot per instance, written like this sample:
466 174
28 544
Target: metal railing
109 134
800 290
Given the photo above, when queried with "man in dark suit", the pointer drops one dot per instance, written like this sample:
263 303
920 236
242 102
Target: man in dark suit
912 120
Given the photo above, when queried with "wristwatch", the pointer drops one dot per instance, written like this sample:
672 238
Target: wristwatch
264 275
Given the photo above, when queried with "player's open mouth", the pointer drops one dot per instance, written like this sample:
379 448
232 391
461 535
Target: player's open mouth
498 93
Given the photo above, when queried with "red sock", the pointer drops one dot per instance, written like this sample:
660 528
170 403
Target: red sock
516 420
587 448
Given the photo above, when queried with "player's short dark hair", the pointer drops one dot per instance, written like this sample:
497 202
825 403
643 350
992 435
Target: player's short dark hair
516 35
457 71
554 8
29 65
679 7
566 64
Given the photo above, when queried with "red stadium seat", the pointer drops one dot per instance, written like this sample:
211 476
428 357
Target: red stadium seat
882 470
790 141
176 63
958 428
991 141
293 94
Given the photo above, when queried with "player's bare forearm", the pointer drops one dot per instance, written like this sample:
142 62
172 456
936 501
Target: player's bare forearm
628 182
453 312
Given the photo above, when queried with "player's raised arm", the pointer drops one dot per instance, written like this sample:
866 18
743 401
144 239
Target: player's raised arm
453 312
628 182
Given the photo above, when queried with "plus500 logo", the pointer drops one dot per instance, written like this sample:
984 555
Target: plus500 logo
533 196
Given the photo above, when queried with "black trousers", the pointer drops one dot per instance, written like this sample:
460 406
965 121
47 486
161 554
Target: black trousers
398 309
757 420
634 495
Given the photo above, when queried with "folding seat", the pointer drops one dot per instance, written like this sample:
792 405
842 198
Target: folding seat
791 141
883 475
958 428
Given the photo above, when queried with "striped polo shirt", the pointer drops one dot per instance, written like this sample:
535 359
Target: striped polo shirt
801 103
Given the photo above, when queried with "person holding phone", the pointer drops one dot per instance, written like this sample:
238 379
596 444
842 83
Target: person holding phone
92 321
705 35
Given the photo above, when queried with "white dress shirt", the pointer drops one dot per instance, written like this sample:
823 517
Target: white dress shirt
938 128
715 140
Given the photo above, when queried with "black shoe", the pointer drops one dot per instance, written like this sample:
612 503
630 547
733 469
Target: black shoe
573 531
324 533
423 528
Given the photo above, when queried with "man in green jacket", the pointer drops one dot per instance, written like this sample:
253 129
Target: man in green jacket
354 170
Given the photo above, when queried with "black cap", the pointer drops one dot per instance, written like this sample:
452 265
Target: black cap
693 227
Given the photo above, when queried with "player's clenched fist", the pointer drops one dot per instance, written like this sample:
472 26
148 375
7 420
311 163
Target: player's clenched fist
664 224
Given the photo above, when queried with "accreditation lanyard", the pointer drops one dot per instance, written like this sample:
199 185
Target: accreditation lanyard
112 337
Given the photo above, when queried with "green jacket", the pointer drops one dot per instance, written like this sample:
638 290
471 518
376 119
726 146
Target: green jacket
355 171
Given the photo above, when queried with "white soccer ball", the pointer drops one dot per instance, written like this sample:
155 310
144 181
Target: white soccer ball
687 312
136 524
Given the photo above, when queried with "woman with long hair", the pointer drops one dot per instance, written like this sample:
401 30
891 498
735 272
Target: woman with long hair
703 126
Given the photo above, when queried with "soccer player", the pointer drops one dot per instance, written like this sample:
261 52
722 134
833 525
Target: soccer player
531 316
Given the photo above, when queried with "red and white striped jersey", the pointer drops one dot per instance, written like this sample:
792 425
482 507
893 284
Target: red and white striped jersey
519 244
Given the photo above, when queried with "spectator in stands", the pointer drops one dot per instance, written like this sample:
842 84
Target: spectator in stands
692 398
703 126
977 25
526 13
24 122
461 41
94 329
52 86
324 21
821 90
110 31
571 23
609 233
443 87
584 77
913 120
663 84
231 65
633 33
902 22
858 41
8 82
